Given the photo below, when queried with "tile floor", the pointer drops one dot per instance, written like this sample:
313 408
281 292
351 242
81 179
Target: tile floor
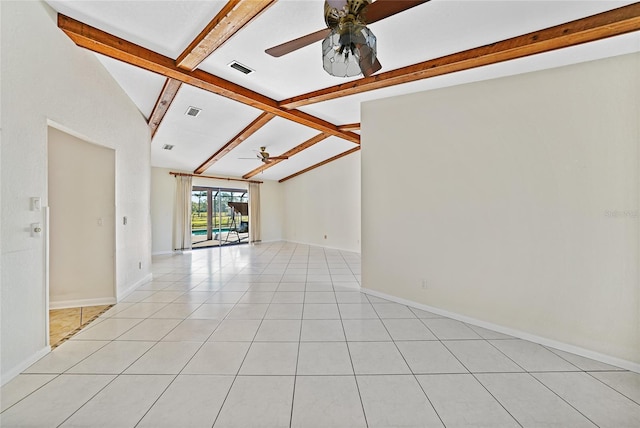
278 335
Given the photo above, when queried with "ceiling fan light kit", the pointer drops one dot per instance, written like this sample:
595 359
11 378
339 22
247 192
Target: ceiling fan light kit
348 50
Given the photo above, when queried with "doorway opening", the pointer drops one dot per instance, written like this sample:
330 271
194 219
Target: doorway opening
219 216
81 231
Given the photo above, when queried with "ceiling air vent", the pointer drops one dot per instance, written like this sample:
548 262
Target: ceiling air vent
193 111
167 147
241 68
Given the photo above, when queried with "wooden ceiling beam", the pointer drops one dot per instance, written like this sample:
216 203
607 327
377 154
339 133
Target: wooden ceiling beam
167 95
612 23
231 18
114 47
349 127
319 164
262 120
297 149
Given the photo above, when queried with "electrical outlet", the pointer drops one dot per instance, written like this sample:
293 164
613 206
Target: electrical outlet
139 265
424 284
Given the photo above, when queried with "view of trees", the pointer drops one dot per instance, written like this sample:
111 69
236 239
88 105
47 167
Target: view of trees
221 212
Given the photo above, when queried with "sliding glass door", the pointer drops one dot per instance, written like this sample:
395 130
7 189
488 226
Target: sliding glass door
219 216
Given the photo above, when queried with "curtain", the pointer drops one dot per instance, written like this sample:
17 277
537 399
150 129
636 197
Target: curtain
182 214
254 212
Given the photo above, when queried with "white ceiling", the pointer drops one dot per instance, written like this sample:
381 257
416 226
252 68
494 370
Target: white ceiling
428 31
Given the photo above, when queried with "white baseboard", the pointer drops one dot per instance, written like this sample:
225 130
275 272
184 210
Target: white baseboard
162 253
63 304
133 286
603 358
322 246
6 377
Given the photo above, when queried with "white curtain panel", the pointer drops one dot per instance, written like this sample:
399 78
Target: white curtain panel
254 212
182 214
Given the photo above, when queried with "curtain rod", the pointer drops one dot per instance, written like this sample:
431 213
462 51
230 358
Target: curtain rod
215 178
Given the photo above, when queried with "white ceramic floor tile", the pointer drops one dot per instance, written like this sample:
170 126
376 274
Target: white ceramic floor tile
396 401
192 330
408 329
284 311
488 334
270 358
393 310
50 405
279 331
462 401
113 358
150 329
322 331
448 329
530 402
258 402
248 311
194 297
65 356
176 310
319 297
20 387
377 358
257 297
108 329
225 297
532 357
327 401
357 311
212 311
236 331
424 314
351 297
319 286
293 286
583 363
122 403
191 401
140 310
288 297
164 358
164 296
479 356
365 330
626 383
424 357
324 358
601 404
320 311
219 358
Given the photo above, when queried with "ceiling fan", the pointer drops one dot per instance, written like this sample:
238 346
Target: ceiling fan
348 47
264 156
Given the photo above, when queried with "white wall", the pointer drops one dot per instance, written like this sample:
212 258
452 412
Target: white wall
47 79
163 188
325 201
519 200
82 223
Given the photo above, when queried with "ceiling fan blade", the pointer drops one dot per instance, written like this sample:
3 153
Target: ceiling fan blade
381 9
366 66
298 43
278 157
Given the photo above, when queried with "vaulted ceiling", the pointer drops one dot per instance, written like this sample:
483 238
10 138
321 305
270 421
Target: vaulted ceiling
169 56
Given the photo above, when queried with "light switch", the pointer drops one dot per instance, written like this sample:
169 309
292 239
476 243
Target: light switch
35 204
124 220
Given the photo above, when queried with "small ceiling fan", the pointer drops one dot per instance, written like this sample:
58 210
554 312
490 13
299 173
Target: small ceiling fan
348 47
264 156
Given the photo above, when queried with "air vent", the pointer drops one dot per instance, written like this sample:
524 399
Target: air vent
193 111
241 68
167 147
